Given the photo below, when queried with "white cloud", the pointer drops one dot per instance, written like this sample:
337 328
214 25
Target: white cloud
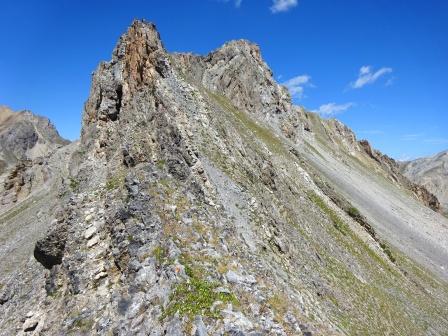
367 76
330 109
411 136
237 3
282 5
296 85
436 141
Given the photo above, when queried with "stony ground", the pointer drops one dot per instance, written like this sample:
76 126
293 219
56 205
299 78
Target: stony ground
201 202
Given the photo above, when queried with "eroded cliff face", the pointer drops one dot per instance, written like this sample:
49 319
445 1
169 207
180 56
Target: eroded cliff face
194 210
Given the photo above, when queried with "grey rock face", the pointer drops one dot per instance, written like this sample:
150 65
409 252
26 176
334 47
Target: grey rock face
192 210
50 249
238 72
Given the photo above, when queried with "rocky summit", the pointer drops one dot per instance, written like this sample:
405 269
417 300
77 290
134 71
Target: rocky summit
200 201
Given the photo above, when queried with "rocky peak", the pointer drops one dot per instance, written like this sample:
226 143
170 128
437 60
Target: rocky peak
243 47
237 71
142 52
25 136
141 37
5 113
139 60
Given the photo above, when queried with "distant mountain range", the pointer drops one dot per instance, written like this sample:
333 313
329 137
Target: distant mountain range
431 172
25 136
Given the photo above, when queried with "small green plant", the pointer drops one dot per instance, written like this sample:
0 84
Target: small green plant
161 164
196 297
114 183
160 254
387 251
84 325
353 212
73 184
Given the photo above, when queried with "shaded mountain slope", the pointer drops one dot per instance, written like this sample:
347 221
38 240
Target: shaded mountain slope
431 172
24 135
205 203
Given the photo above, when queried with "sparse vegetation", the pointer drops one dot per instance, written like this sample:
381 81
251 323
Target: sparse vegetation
114 182
83 325
160 254
279 303
196 296
387 251
353 212
161 164
73 184
261 132
338 223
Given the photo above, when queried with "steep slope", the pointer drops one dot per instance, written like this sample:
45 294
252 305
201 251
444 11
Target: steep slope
33 159
431 172
26 141
373 184
201 208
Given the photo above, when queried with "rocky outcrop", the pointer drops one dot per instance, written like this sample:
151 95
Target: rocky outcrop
237 71
191 211
432 173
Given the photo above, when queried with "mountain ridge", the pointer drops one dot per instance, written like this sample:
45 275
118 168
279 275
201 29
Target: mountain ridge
195 206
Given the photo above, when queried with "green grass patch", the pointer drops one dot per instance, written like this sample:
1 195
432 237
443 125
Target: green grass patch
196 296
353 212
160 254
73 184
114 182
266 135
338 223
161 164
386 249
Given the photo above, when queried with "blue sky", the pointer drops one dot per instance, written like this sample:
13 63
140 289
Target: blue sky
380 66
